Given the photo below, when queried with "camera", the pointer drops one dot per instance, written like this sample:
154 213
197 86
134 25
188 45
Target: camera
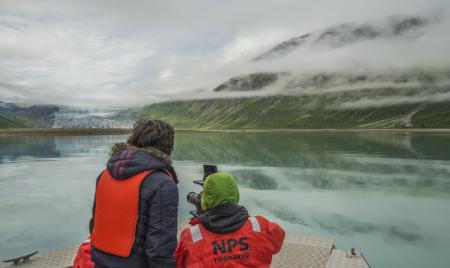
195 198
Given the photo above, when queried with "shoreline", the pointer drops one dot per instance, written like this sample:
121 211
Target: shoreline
119 131
299 130
63 131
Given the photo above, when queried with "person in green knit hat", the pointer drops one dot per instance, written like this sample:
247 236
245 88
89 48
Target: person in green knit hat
219 188
225 235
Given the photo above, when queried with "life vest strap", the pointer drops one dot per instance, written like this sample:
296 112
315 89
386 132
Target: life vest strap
140 241
255 224
142 219
195 233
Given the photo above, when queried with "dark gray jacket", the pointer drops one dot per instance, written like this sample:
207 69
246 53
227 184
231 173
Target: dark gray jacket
156 233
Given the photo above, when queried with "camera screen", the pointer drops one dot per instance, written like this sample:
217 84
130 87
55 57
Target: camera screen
208 170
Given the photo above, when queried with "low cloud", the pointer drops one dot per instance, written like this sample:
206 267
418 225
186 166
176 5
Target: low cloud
112 53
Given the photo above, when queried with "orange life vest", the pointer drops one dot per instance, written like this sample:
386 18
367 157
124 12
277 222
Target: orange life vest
252 245
116 213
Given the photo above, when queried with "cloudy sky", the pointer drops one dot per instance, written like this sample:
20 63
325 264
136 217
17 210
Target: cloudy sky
125 53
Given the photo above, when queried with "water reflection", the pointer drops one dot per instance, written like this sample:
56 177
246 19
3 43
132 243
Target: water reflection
15 147
328 160
406 232
385 193
40 147
255 179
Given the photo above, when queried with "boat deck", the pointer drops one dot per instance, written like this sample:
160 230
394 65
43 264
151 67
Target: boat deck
299 250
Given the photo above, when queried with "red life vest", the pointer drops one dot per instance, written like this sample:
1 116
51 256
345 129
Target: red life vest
252 245
116 213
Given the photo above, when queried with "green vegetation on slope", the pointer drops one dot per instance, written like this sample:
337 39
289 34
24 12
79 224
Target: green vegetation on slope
291 112
14 116
14 121
254 81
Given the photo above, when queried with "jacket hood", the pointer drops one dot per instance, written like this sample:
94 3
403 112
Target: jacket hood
219 188
127 161
150 150
225 218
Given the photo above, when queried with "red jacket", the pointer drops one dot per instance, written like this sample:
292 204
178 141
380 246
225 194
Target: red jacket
252 245
83 257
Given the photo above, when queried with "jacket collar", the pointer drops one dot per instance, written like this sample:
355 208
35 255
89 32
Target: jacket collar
225 218
149 150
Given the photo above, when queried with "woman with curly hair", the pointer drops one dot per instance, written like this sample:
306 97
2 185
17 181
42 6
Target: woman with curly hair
134 221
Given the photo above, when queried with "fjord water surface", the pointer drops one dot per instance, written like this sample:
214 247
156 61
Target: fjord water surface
385 193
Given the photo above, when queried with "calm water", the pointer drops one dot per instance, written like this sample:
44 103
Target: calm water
387 194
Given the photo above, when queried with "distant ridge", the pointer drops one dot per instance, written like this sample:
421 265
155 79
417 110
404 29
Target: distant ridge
350 33
12 115
313 111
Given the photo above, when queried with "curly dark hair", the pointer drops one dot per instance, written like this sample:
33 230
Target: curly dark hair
152 133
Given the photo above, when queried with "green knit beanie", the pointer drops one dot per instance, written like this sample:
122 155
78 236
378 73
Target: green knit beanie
219 188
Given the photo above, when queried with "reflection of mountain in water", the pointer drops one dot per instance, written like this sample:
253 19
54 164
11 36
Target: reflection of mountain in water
411 163
86 145
345 225
255 179
34 146
292 149
56 146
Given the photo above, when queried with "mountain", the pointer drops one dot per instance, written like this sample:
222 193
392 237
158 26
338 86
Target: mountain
326 81
415 77
411 97
254 81
69 117
15 116
395 27
322 110
53 116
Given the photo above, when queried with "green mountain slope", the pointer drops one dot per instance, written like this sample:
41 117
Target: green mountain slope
292 112
253 81
12 121
14 116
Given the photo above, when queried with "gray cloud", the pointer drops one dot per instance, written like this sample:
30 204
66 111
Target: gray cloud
124 53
